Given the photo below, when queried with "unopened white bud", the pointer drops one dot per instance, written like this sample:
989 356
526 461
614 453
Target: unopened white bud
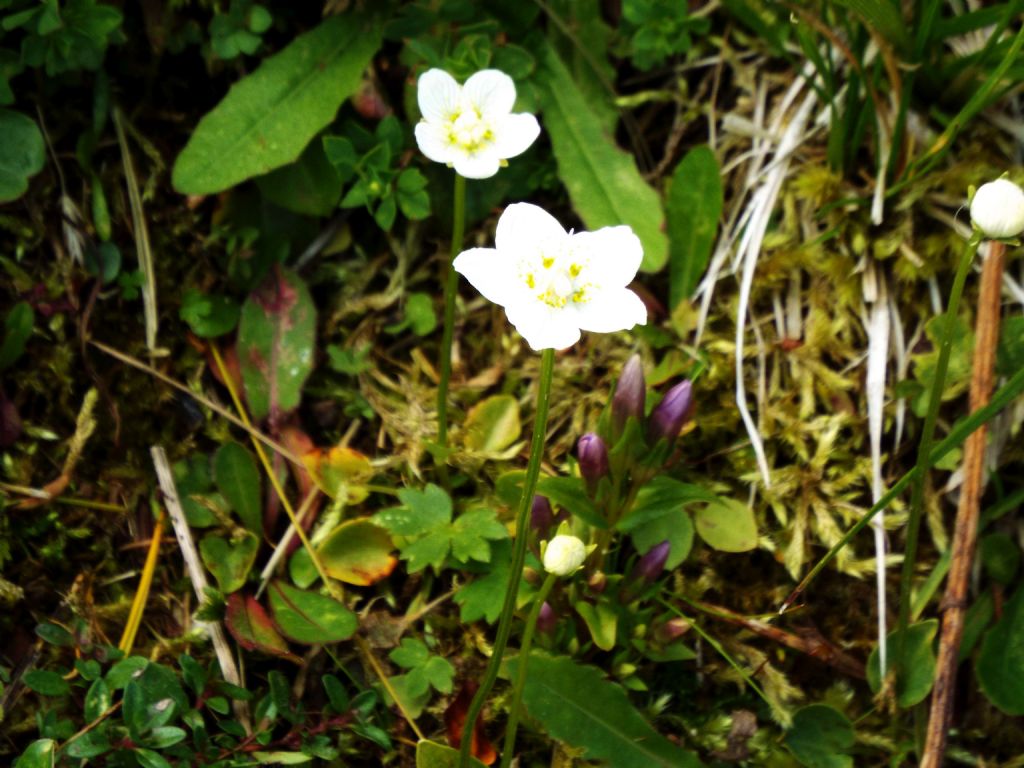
564 555
998 209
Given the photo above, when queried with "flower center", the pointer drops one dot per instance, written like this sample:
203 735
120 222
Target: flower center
469 131
555 276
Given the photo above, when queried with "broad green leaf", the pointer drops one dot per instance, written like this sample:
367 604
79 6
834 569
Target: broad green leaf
97 699
229 562
692 207
22 153
340 472
269 117
821 737
1000 555
602 622
41 754
604 185
727 525
914 662
569 493
579 707
482 597
17 329
47 683
425 670
1010 354
492 425
976 621
310 186
421 511
358 552
430 754
1000 663
149 759
276 337
675 527
238 479
252 628
309 617
91 744
208 315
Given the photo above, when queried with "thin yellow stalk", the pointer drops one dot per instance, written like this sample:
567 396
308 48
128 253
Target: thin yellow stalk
131 628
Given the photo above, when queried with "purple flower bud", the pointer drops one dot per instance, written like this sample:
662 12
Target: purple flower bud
546 619
650 566
593 456
541 514
672 413
672 629
597 582
630 393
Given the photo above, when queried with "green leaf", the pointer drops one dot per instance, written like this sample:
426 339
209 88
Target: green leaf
604 185
149 759
165 736
238 479
309 617
124 671
482 597
410 654
492 425
41 754
358 552
471 532
693 206
22 153
1010 354
97 699
268 117
421 511
208 315
579 707
229 562
727 525
914 662
430 754
425 671
1000 555
1000 662
821 737
570 494
419 313
675 527
310 186
47 683
276 337
17 329
92 744
249 624
602 622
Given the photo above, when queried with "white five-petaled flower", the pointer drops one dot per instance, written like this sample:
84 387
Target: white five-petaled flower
554 283
998 209
564 555
471 126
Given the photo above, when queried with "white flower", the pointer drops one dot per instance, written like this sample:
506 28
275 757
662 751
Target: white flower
998 209
554 283
564 555
471 126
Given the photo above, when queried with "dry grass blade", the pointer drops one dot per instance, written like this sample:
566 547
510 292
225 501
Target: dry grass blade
131 627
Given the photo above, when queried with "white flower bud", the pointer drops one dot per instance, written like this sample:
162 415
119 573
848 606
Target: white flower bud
998 209
564 555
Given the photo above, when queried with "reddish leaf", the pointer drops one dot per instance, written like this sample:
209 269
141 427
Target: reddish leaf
252 628
455 722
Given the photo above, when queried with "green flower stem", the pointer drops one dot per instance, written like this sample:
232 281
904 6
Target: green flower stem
540 424
524 654
450 289
924 447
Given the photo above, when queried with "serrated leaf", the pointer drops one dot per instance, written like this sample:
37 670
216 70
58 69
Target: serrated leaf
603 182
820 737
579 707
309 617
692 208
482 597
727 525
421 511
252 628
276 337
1000 663
238 480
358 552
22 153
269 117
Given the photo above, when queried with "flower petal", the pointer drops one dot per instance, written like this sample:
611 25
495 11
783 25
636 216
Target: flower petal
543 327
438 95
608 311
489 272
433 142
524 228
479 165
613 255
513 134
491 91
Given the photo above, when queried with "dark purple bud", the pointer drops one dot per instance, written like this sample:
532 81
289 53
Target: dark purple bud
541 514
546 619
593 456
630 393
672 413
650 566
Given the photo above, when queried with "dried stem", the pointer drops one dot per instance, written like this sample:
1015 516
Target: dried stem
965 533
